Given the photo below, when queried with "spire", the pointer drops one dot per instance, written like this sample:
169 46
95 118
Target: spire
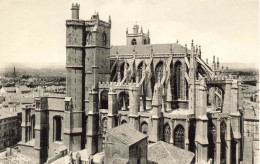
199 51
192 47
148 33
217 63
109 20
126 30
207 61
141 30
213 63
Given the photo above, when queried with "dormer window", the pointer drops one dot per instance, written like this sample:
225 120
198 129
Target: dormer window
133 42
104 37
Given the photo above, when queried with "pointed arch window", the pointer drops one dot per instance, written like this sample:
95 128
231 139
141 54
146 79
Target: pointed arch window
177 81
133 42
104 39
223 142
144 128
140 70
179 136
145 41
104 99
159 72
167 133
212 134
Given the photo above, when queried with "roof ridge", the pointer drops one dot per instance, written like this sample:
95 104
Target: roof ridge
119 139
168 151
127 126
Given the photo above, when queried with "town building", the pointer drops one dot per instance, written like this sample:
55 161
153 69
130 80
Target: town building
126 145
10 127
165 91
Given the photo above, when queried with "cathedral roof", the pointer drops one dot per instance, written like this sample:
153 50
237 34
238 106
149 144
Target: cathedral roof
174 48
126 134
162 152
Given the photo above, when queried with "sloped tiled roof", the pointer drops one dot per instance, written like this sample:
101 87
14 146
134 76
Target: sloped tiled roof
164 153
119 161
126 134
175 48
250 89
10 89
22 100
24 88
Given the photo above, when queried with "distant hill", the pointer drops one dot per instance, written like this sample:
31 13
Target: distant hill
51 69
241 66
60 68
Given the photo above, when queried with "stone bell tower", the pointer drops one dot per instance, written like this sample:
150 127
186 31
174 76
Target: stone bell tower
137 37
97 53
74 105
97 69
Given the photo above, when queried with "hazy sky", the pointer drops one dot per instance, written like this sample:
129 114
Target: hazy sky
34 30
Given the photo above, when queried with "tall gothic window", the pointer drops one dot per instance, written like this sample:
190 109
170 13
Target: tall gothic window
179 136
177 81
159 72
172 80
144 128
191 136
223 142
212 134
104 39
167 133
140 70
122 69
133 42
33 125
104 99
57 128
